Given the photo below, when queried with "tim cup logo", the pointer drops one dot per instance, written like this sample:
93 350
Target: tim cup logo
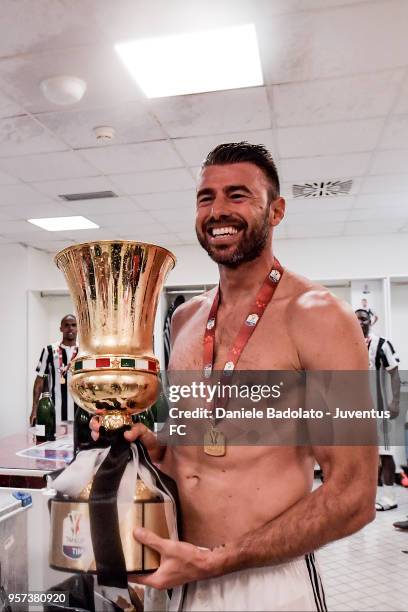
72 535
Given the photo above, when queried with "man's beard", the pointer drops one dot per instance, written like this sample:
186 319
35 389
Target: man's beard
250 246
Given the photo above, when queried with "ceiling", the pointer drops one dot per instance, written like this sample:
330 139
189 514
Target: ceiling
334 106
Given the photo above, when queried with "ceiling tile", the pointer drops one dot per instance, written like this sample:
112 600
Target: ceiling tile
379 201
108 82
173 220
212 113
293 218
19 194
84 235
23 136
364 228
389 162
384 213
8 108
13 227
302 169
74 185
401 107
104 206
6 179
129 219
391 183
395 135
315 230
49 246
68 24
319 205
329 138
194 150
133 157
342 99
180 200
165 239
153 182
131 121
330 43
33 210
47 166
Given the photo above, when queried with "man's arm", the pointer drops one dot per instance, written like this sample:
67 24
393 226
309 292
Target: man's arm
37 390
327 337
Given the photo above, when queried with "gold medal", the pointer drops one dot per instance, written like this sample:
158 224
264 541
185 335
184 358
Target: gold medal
62 380
214 443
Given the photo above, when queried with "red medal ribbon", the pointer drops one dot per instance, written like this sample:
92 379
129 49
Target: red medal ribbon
248 327
63 369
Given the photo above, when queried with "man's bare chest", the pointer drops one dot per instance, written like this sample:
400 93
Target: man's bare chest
268 348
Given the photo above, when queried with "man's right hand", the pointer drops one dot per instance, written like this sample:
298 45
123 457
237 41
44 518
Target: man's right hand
33 417
138 432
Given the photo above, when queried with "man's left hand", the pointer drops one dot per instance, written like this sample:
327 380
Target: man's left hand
180 562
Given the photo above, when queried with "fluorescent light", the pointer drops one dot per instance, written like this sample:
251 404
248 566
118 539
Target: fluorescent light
59 224
214 60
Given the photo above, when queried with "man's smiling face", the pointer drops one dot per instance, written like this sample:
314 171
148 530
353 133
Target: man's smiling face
233 212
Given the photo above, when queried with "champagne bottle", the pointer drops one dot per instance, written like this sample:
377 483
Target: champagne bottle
45 421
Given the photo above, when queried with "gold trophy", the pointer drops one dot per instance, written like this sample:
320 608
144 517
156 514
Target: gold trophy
115 287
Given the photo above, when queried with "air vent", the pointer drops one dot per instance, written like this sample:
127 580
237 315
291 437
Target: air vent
322 189
90 195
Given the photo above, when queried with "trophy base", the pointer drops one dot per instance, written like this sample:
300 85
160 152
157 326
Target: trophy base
71 545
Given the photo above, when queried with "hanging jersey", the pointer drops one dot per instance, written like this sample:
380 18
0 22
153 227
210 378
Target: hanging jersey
382 358
49 363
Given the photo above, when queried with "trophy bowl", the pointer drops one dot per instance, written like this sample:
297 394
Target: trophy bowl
115 287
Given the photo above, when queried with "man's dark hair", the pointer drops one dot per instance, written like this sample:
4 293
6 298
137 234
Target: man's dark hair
236 152
68 316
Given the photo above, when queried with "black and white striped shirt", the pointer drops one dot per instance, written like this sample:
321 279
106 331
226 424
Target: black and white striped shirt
49 363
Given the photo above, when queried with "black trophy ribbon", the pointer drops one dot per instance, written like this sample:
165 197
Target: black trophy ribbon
103 514
103 511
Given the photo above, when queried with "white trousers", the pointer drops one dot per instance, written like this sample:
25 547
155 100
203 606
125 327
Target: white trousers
294 586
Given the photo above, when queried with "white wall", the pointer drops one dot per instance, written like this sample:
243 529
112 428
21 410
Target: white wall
317 258
13 325
399 323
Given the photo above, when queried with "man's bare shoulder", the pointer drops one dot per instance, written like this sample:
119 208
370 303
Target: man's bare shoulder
308 299
323 327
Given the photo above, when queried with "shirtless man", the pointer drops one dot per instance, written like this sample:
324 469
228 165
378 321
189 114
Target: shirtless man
250 520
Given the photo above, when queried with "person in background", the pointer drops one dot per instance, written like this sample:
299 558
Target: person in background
55 359
383 358
180 299
366 307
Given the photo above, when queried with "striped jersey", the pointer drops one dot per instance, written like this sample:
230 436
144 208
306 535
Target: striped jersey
381 353
49 363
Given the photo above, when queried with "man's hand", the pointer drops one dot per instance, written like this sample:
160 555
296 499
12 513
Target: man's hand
33 417
180 562
138 432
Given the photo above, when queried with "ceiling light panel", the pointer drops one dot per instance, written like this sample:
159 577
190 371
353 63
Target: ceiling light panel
214 60
59 224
